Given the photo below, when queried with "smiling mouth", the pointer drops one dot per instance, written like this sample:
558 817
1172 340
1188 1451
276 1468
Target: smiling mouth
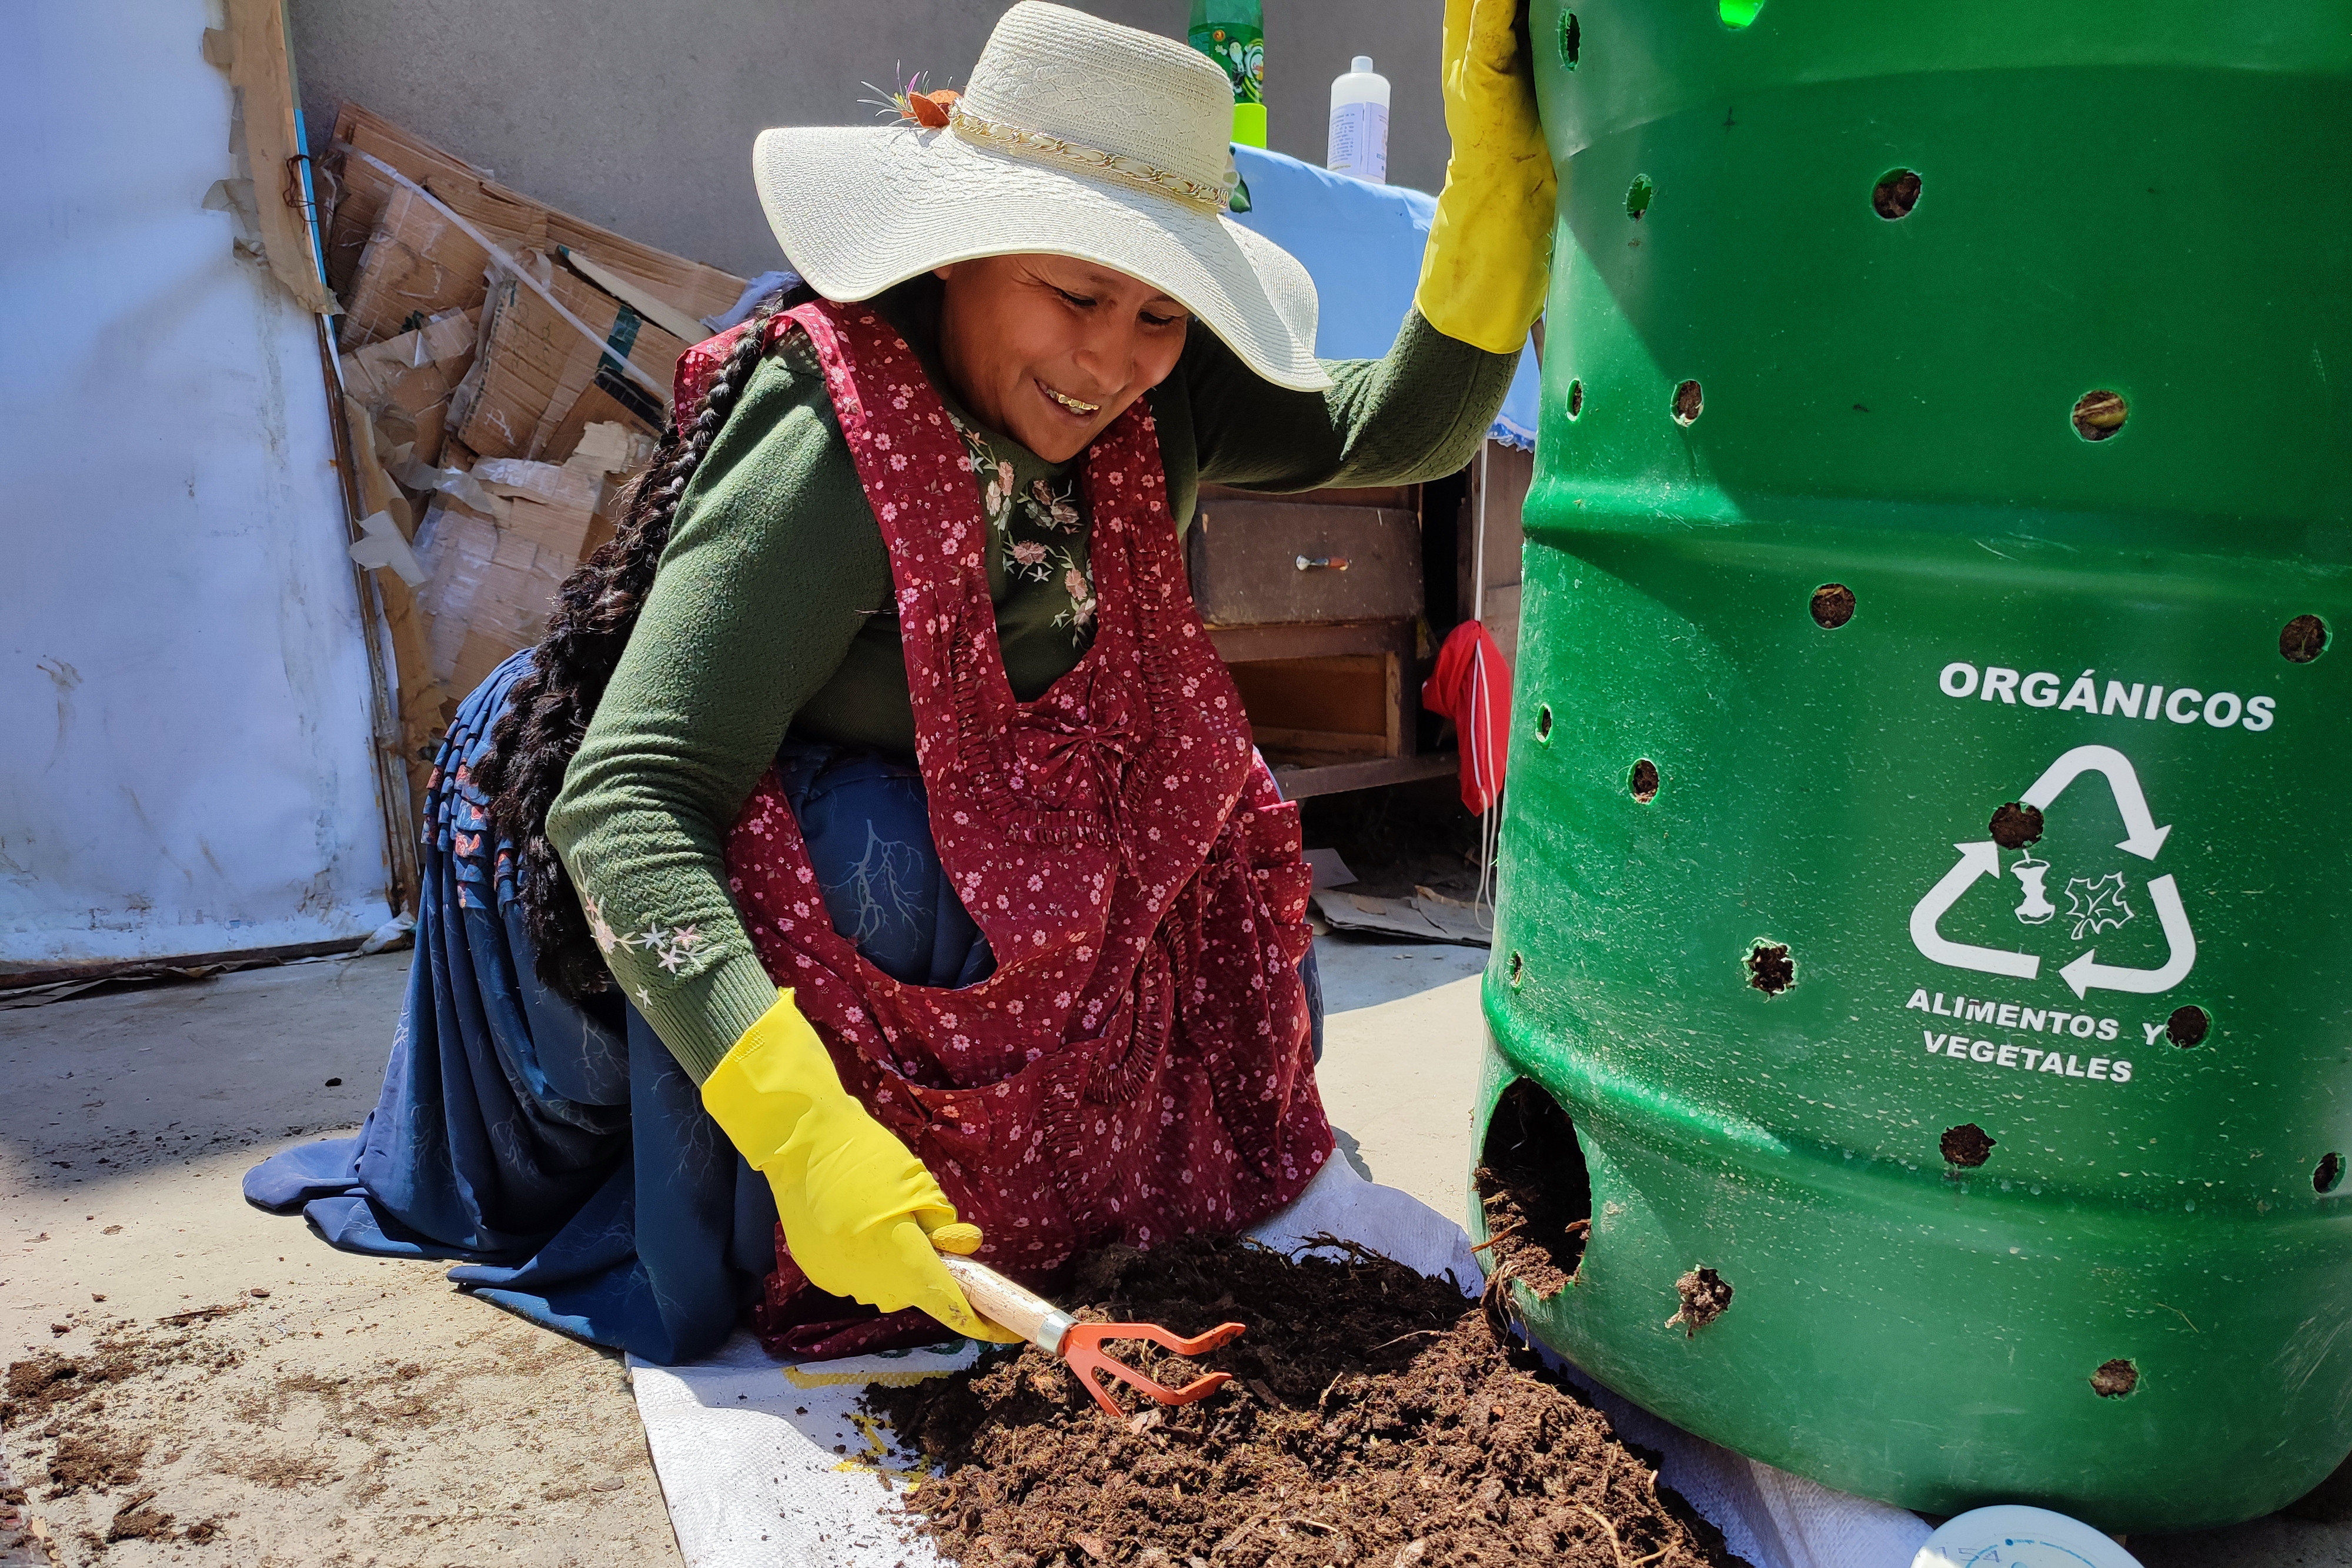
1076 406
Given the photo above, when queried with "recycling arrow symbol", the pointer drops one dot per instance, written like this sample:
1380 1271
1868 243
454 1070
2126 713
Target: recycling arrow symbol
2142 838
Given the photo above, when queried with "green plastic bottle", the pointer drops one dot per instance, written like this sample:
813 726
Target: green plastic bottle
1926 881
1233 34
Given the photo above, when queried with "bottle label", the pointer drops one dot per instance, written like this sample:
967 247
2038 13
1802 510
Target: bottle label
1360 141
1240 48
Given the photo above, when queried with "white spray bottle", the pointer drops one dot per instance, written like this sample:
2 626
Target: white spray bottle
1360 122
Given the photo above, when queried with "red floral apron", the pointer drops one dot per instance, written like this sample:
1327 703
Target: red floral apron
1138 1067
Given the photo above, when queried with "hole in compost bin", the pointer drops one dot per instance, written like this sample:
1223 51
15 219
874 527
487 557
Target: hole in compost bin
1571 37
2115 1379
1543 722
1704 1294
1517 965
2329 1174
2014 826
1737 13
2099 415
1646 781
1638 194
1535 1191
1967 1145
1769 968
2301 639
1688 401
1896 192
1832 605
1575 399
2188 1026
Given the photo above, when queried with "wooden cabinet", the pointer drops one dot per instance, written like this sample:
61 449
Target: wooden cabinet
1318 560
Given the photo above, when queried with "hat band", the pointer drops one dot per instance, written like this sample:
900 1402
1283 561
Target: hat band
1025 142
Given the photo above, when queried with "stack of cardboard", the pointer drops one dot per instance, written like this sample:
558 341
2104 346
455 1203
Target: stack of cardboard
404 382
544 380
506 369
494 553
508 218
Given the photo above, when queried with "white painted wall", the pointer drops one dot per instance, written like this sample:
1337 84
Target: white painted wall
184 706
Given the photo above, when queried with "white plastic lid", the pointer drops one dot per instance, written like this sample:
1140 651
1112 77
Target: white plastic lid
2015 1536
1361 64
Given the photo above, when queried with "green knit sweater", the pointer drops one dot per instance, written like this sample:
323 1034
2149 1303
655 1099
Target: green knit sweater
761 618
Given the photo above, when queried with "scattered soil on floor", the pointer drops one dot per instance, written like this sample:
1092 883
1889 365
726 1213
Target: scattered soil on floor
46 1380
284 1472
64 1400
141 1520
1374 1419
100 1461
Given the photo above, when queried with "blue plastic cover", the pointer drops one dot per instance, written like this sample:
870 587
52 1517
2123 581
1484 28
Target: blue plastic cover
1362 242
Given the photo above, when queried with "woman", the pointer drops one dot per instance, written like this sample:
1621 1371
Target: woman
881 759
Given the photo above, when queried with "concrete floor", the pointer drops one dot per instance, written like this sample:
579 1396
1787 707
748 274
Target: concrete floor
339 1409
330 1409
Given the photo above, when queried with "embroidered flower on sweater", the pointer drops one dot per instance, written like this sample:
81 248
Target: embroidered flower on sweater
1042 509
1056 511
1081 613
597 926
669 948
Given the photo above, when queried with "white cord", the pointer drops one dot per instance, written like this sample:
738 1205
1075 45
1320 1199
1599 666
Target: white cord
1489 823
1478 540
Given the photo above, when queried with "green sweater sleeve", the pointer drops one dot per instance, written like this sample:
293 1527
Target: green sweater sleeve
1419 412
773 563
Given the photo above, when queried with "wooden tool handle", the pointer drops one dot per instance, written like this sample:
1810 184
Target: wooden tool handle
1004 1304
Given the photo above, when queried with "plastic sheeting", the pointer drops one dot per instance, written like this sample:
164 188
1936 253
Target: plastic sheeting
1362 242
184 698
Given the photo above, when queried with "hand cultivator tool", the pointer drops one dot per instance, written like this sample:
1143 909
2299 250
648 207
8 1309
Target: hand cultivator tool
1050 1329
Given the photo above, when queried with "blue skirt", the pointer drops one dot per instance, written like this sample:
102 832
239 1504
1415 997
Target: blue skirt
556 1147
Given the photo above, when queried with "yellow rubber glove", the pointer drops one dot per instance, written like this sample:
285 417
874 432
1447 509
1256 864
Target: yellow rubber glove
861 1215
1489 258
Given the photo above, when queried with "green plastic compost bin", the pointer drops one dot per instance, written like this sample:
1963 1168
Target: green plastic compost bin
1926 914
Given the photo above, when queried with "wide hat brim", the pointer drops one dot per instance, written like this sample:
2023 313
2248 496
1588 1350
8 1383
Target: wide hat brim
859 210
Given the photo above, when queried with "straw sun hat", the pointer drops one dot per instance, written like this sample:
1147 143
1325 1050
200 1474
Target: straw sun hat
1075 137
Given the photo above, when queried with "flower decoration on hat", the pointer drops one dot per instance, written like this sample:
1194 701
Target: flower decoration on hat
914 104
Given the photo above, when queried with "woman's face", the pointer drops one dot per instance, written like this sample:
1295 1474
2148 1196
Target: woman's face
1050 350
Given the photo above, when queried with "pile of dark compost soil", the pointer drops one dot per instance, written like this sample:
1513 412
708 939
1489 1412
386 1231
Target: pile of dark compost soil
1374 1419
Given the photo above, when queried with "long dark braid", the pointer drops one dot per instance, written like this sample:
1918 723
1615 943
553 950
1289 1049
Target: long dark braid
548 709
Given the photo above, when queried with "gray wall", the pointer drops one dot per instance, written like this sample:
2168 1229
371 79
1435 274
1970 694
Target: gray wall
639 115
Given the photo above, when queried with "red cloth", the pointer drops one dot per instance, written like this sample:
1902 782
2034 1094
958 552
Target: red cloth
1472 686
1138 1065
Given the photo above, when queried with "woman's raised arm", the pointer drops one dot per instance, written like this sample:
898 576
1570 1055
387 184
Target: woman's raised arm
1420 411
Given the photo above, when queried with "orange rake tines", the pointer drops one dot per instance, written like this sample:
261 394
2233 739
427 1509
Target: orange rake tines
1080 1345
1082 1350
